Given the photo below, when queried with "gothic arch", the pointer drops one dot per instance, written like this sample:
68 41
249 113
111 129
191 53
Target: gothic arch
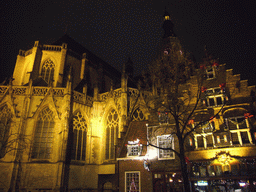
138 114
43 134
111 132
50 103
48 69
10 106
80 130
143 110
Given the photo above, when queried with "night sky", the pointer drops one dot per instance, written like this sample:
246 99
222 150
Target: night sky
115 29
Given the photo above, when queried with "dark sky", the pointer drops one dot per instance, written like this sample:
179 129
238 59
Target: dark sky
116 29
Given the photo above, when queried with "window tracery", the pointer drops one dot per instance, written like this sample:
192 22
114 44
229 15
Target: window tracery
48 71
79 137
138 115
111 134
42 147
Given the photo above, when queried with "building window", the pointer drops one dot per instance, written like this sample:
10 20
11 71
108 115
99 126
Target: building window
132 181
165 141
210 169
190 142
195 170
134 148
79 137
5 124
210 72
48 71
218 170
138 115
111 134
215 101
239 129
218 139
202 171
204 139
215 97
42 147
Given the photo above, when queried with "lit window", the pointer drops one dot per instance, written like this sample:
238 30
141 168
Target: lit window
48 71
42 147
218 139
215 101
79 137
134 148
5 123
132 181
111 134
239 129
190 142
195 170
211 171
215 97
165 141
210 72
157 176
204 138
225 139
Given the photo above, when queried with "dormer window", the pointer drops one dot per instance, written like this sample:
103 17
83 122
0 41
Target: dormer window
134 148
210 72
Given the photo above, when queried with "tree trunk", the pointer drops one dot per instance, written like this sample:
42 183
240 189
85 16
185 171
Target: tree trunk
183 165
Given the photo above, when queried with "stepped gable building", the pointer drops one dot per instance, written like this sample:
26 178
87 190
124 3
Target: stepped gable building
69 120
220 152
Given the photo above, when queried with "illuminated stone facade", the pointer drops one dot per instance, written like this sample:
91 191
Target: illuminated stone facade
56 88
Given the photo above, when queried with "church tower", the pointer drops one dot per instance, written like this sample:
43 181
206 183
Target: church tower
169 38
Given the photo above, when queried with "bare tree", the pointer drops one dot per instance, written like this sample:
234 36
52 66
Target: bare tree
177 97
9 140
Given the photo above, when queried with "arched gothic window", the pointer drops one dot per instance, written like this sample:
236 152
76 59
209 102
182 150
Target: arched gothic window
42 147
79 137
48 71
5 123
138 115
111 134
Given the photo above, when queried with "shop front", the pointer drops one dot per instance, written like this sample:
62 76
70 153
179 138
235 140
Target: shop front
167 182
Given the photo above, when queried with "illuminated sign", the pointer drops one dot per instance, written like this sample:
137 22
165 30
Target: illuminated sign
242 184
202 183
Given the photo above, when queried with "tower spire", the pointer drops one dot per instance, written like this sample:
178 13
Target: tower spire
168 25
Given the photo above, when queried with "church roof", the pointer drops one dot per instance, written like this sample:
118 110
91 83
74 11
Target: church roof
95 61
